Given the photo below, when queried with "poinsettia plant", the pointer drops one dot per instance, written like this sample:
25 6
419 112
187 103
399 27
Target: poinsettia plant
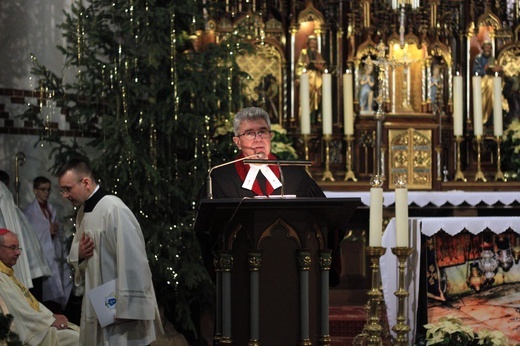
450 330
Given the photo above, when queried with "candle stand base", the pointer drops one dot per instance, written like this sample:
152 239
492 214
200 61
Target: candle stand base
401 328
371 334
350 174
479 175
458 174
499 175
327 175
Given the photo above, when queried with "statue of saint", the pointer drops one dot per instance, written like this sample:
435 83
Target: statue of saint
485 66
366 90
312 62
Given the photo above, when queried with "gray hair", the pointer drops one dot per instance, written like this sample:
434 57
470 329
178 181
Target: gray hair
250 113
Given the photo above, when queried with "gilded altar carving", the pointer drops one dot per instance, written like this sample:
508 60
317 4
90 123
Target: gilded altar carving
265 86
410 154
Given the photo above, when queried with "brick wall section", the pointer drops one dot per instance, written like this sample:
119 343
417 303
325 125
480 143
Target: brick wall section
14 102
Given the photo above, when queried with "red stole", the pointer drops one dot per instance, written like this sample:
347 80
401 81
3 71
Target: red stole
243 169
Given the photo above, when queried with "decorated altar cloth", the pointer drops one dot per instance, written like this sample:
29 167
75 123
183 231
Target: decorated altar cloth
438 198
431 226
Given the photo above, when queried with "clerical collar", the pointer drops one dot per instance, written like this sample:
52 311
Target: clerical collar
91 202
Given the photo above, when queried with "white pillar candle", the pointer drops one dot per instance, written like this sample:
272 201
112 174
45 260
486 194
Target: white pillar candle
348 99
457 106
305 104
477 105
401 217
326 94
375 235
497 106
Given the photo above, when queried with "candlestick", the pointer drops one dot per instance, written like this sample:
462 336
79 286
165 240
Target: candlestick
499 175
373 329
477 106
457 105
327 103
401 328
458 174
497 106
305 104
349 103
375 237
479 175
350 174
327 174
401 212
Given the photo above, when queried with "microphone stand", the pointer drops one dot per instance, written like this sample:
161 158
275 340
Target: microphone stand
210 182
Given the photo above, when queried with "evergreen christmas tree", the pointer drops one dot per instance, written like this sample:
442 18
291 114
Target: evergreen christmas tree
152 97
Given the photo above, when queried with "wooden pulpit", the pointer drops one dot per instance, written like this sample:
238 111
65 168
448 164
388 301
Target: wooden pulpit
270 261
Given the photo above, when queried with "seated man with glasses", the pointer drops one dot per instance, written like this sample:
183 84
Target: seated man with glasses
33 322
252 128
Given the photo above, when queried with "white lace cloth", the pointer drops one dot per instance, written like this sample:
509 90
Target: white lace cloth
437 198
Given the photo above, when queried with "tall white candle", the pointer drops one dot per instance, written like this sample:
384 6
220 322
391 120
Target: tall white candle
326 94
401 217
477 105
497 107
375 235
348 99
305 104
457 106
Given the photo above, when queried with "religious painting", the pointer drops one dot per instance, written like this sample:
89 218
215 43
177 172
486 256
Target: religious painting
475 278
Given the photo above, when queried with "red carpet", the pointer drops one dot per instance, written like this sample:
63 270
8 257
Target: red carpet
345 322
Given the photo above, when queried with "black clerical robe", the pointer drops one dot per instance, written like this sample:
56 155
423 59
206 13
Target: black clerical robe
227 182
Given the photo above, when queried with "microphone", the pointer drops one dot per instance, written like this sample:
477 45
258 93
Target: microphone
210 182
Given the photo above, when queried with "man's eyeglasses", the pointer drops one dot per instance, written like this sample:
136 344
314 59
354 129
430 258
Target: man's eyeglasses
251 135
67 189
12 247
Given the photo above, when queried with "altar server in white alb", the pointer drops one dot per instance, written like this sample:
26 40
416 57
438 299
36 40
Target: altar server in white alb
109 245
57 287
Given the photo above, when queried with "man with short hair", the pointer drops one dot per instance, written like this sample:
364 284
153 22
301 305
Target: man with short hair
109 245
33 322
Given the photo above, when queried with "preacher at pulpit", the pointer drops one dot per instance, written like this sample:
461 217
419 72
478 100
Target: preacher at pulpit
252 129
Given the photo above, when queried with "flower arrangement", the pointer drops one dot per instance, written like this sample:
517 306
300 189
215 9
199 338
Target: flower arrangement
281 144
450 330
511 150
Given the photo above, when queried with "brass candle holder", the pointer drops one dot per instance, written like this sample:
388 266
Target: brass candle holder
458 174
401 328
479 175
499 174
350 174
306 139
373 328
327 175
